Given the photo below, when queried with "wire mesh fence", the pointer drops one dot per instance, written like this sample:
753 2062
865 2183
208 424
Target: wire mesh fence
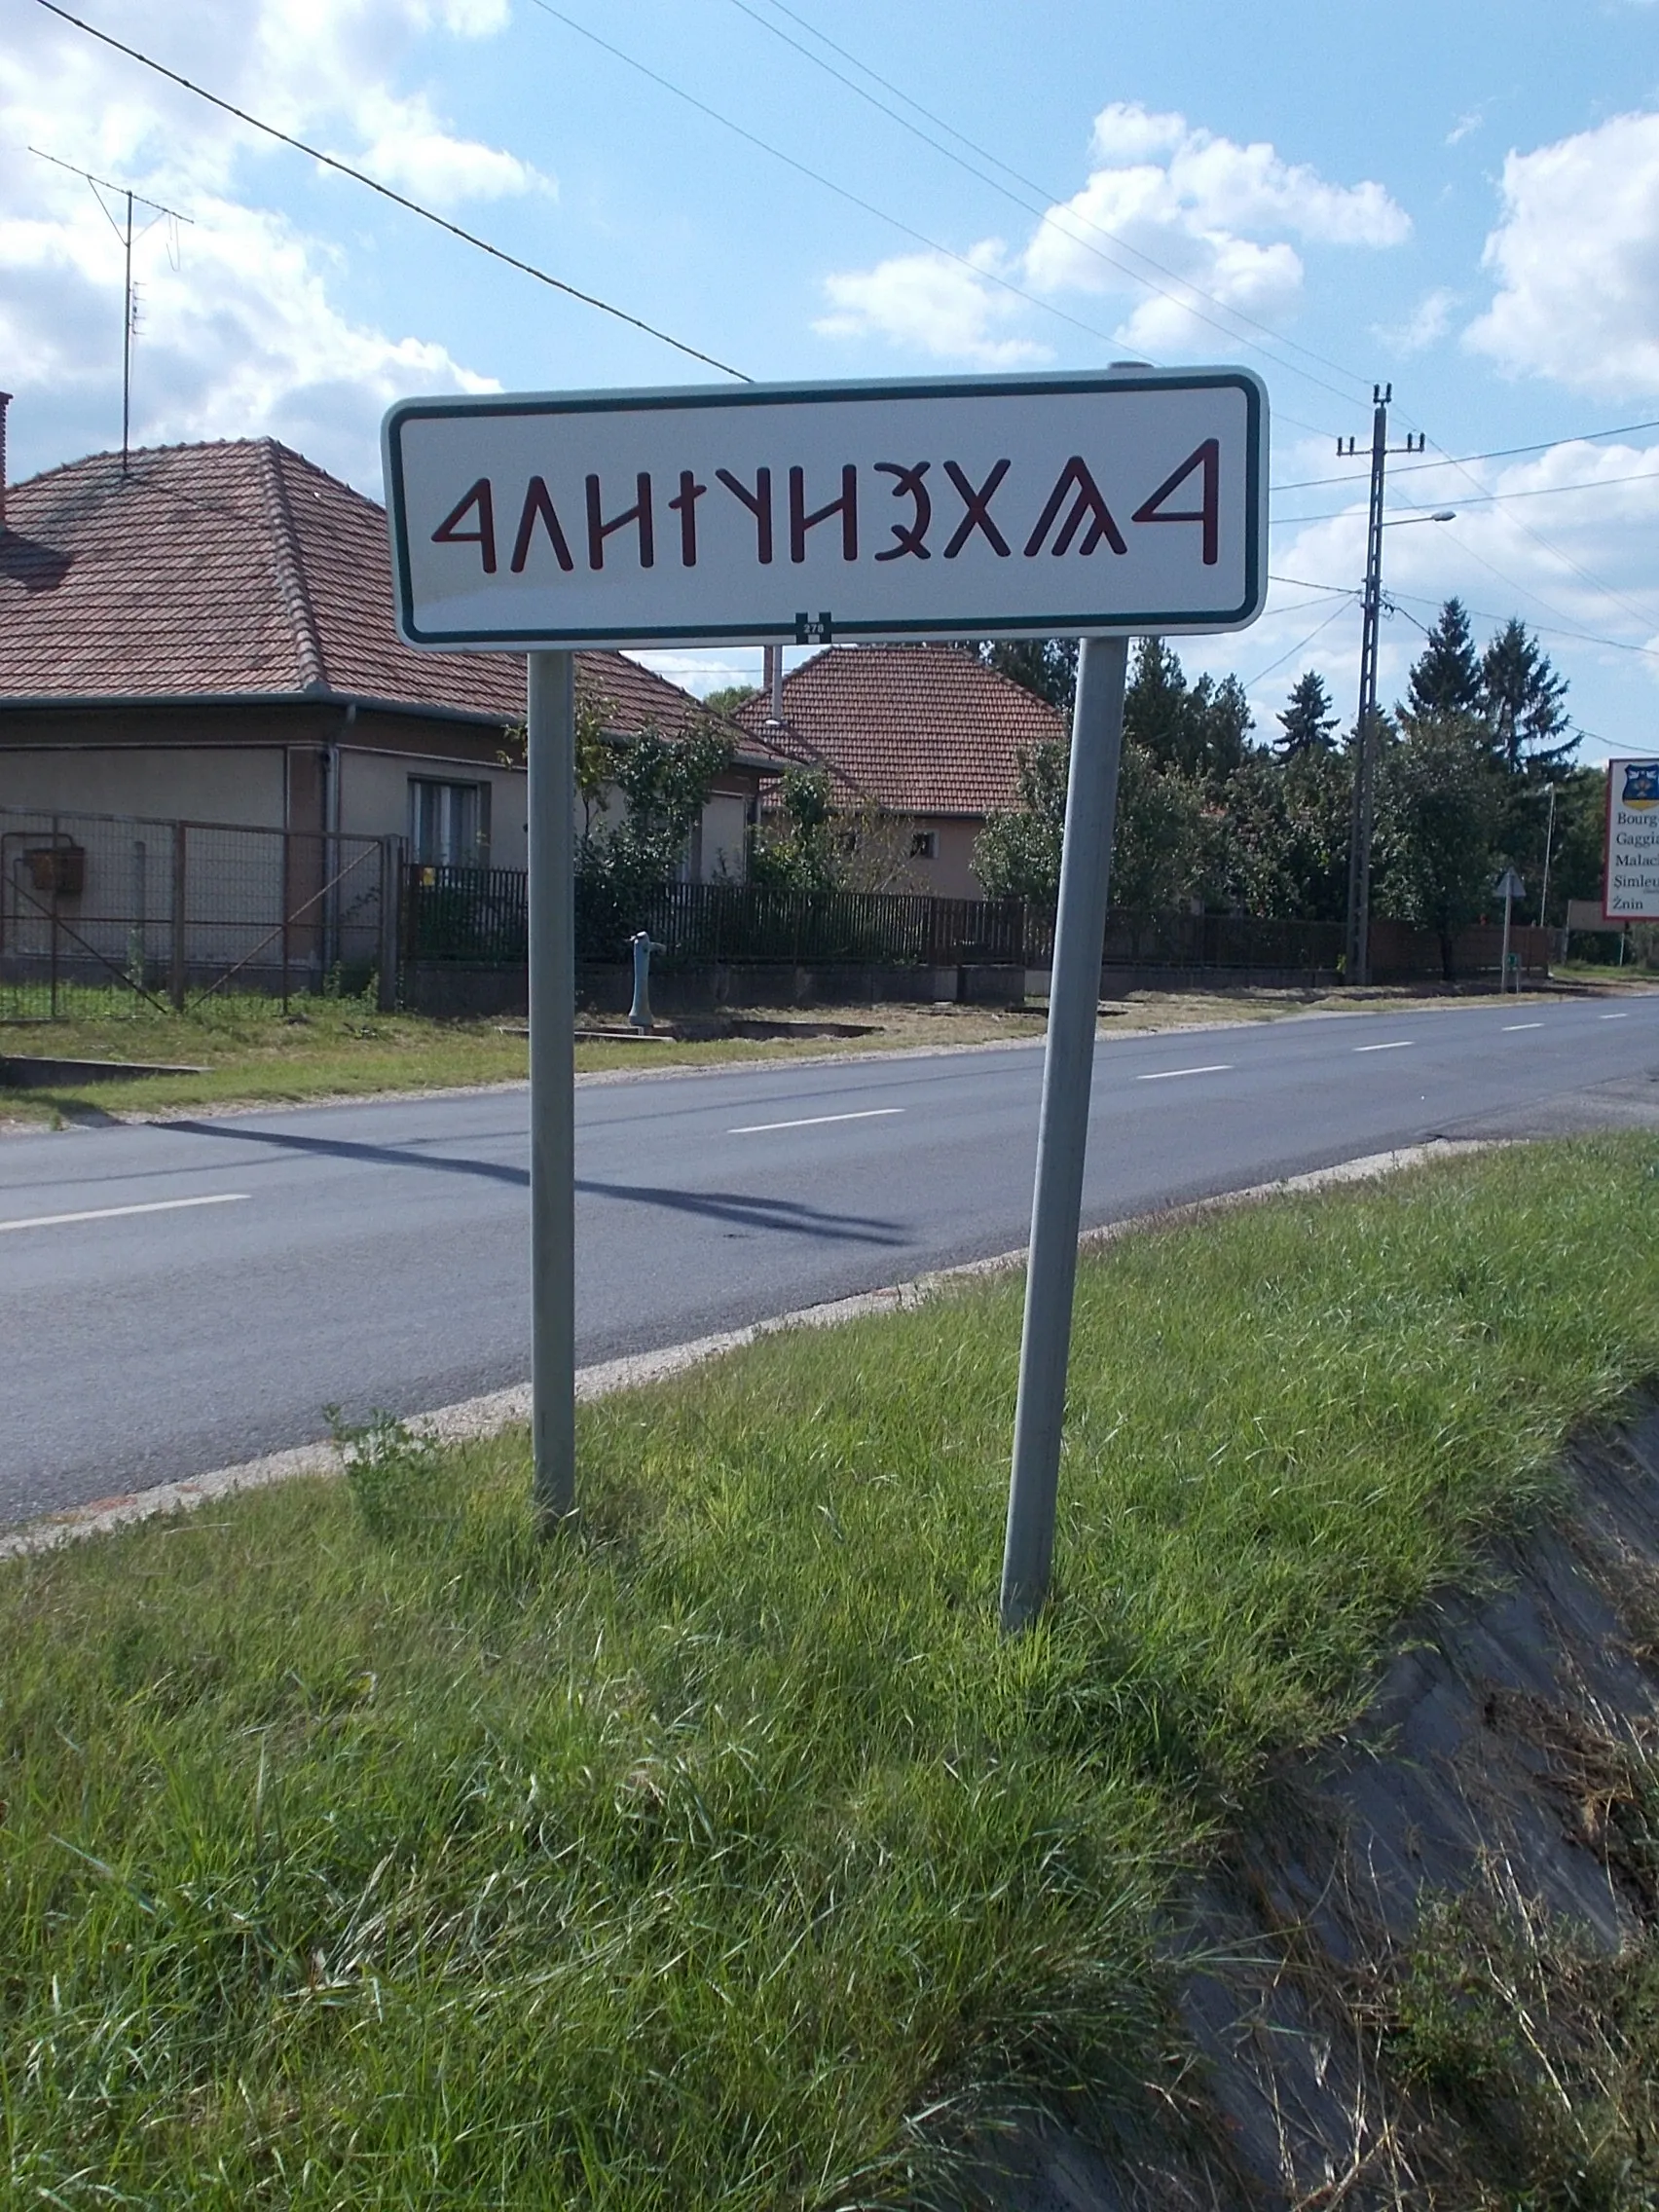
175 911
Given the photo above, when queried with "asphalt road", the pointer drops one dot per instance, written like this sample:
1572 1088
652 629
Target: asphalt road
180 1296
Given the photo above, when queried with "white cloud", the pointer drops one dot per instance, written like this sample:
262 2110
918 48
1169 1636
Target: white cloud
1425 325
1214 216
1576 257
1573 561
408 149
930 304
1465 126
243 329
1196 210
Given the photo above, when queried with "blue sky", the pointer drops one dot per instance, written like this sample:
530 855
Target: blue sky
1461 200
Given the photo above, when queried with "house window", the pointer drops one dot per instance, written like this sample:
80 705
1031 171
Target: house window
449 823
924 845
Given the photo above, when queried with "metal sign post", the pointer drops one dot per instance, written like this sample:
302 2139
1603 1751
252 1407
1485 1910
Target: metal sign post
1509 887
1062 1131
551 745
1093 505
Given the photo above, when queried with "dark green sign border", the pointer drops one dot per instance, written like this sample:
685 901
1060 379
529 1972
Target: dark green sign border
665 399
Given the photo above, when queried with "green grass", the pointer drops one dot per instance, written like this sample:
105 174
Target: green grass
249 1050
358 1848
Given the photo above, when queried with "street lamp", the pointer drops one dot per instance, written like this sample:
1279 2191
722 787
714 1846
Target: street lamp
1365 751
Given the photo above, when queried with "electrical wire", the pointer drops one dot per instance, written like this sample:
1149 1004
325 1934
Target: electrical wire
1307 583
1263 673
1048 202
1548 630
817 176
1499 453
1596 583
1483 499
398 198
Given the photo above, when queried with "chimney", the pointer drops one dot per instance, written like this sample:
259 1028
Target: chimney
773 679
5 402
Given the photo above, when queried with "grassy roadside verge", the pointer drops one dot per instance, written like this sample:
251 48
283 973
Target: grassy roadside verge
356 1849
249 1052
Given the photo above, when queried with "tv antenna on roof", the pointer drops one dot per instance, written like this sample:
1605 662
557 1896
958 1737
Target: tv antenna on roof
124 231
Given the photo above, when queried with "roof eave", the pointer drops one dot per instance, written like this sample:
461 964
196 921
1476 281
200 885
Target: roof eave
77 702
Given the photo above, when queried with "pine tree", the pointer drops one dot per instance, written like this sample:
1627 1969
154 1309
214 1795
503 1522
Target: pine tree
1308 720
1446 677
1522 702
1155 706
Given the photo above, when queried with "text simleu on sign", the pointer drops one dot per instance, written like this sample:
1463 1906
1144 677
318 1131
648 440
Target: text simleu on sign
997 504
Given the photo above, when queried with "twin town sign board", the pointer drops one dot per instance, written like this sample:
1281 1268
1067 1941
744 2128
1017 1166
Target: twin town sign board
1018 506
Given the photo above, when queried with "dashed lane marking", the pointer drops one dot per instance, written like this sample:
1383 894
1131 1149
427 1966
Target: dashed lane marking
814 1120
118 1213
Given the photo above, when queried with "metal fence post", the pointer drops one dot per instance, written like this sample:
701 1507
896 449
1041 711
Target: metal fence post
1063 1136
287 893
177 975
390 935
551 724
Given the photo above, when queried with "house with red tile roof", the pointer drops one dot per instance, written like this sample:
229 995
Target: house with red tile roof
926 733
206 633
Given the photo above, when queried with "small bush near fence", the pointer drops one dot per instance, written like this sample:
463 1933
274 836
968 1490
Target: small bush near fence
481 916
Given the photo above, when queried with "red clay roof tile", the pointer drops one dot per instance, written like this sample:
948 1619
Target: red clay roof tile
236 567
920 729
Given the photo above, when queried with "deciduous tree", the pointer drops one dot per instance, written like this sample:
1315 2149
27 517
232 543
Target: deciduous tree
1439 807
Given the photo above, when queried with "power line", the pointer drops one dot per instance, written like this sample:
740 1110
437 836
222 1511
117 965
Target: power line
1499 453
1482 613
1307 583
1549 630
1486 499
817 176
1596 583
398 198
1047 203
1319 632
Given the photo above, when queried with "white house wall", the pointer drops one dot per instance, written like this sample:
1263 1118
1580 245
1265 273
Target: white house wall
245 783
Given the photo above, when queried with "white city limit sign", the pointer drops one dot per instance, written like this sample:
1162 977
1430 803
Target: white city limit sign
1029 505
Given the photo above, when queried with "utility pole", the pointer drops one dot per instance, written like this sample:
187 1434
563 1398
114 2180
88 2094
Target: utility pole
1549 841
1365 744
124 231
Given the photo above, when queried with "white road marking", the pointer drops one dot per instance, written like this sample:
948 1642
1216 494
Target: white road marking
1399 1045
117 1214
1162 1075
1614 1017
1510 1028
814 1120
